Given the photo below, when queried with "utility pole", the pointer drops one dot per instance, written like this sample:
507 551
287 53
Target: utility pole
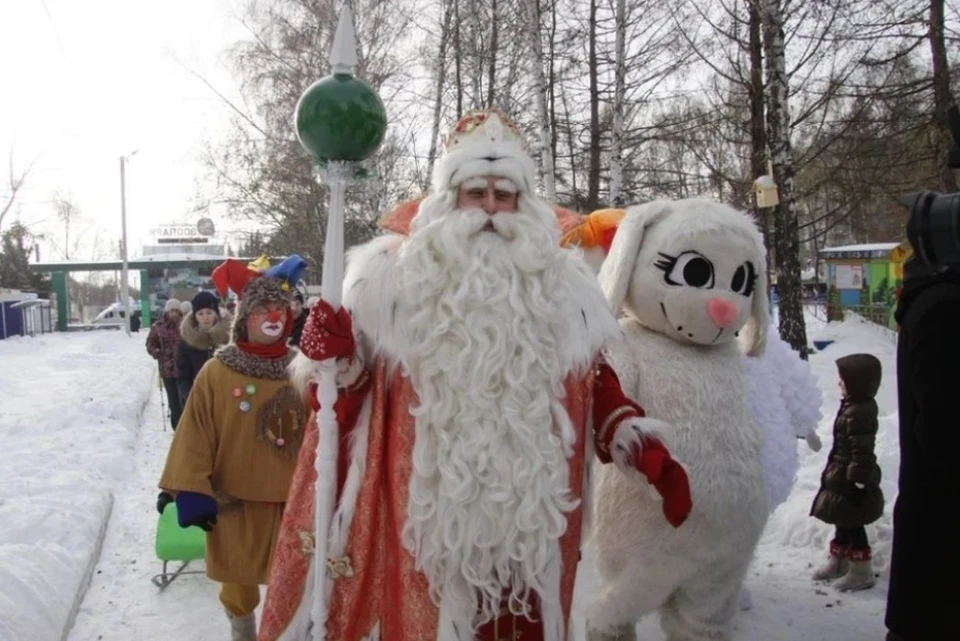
124 275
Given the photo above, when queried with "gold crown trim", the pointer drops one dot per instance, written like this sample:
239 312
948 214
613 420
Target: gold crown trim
476 119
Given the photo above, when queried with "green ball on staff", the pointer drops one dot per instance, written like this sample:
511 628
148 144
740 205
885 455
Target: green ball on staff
341 117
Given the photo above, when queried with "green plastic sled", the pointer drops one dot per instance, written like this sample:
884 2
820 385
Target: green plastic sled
177 544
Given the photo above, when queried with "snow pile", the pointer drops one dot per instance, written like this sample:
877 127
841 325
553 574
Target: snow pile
68 426
790 526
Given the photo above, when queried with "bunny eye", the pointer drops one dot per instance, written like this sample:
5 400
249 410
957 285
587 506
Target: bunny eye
689 268
744 279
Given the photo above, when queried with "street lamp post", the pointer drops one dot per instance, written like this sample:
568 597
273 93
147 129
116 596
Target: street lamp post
124 274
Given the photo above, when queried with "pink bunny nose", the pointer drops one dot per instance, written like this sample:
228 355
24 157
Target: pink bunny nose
722 312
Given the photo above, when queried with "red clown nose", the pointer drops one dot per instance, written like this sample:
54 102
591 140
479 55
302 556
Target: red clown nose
275 316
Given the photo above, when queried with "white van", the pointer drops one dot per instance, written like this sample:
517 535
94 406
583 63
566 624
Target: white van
112 316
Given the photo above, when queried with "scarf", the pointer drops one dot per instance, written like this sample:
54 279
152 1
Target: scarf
277 349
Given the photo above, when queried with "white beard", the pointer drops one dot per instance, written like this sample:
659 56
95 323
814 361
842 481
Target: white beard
486 317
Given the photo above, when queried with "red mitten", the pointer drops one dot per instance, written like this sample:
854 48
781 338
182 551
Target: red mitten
668 478
327 334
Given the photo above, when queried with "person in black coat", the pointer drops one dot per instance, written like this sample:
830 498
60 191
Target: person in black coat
299 317
925 566
850 497
202 331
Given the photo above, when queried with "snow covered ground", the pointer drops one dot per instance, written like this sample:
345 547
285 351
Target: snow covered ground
69 417
121 603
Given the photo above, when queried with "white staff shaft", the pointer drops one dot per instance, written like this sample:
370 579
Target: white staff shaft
329 432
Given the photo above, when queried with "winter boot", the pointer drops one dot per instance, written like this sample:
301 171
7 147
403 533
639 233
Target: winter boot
860 574
836 565
243 628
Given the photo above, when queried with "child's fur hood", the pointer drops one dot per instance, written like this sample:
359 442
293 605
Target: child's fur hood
212 338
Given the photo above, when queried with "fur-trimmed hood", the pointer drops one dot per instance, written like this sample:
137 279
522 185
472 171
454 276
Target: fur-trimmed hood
206 339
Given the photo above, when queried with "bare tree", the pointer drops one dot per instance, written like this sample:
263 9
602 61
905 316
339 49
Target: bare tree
792 327
441 71
943 98
619 87
16 181
540 88
593 172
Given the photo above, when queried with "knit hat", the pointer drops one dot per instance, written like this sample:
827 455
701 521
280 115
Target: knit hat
256 283
171 304
186 307
205 300
485 143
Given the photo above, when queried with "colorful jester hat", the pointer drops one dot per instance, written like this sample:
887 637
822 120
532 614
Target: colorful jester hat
257 283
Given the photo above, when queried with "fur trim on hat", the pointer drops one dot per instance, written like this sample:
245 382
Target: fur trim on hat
259 291
485 159
170 305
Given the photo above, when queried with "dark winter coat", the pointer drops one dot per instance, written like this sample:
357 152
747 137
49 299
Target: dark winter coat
162 342
852 459
922 599
196 347
298 324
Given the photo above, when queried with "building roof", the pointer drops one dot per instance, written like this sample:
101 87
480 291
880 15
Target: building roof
147 262
867 247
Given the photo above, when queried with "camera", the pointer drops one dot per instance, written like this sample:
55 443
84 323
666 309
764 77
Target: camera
933 227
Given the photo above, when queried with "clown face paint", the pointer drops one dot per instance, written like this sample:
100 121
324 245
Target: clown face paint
265 324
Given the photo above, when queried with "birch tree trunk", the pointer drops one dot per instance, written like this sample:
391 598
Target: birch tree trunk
786 229
758 132
552 80
942 97
458 57
593 172
492 69
619 87
540 90
441 81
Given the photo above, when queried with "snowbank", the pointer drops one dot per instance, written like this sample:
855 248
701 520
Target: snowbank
69 415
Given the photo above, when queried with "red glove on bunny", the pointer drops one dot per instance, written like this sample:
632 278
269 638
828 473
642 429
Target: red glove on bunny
626 437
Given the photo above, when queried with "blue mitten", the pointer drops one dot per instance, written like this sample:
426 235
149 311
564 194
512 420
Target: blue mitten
196 509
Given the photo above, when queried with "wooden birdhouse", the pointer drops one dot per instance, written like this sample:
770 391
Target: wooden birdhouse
765 187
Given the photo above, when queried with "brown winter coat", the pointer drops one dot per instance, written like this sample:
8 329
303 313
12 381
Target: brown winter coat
245 459
852 459
162 342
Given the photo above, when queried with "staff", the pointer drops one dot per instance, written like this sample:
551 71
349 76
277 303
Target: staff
341 121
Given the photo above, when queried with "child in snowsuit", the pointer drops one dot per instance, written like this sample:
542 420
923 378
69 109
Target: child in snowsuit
850 496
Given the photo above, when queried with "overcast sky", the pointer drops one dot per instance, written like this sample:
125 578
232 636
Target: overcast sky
83 82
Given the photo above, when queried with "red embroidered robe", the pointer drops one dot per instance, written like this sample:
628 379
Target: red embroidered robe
377 593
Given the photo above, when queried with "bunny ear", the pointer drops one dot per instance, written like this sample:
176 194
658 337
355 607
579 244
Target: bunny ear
232 274
618 267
